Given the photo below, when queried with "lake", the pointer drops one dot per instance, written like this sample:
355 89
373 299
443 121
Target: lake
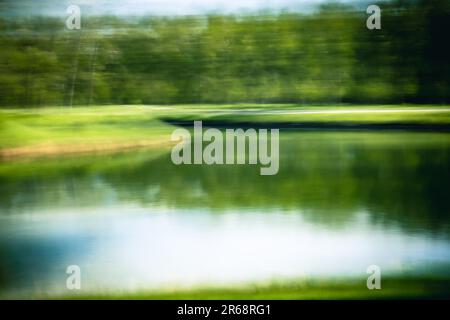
341 201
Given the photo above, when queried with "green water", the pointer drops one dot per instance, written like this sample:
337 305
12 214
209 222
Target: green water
339 203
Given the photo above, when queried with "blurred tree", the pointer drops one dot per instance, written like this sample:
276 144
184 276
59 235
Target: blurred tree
328 56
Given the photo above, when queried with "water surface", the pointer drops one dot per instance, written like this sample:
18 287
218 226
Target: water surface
340 202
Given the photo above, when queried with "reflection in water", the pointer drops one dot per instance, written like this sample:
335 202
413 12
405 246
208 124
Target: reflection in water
340 202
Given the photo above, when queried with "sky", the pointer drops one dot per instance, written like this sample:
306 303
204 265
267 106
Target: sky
157 7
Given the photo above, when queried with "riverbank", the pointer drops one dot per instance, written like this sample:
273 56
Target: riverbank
73 131
411 118
313 289
49 132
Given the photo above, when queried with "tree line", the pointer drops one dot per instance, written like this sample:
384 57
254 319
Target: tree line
328 56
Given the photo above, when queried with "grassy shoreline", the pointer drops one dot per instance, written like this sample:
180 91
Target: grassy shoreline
392 287
84 130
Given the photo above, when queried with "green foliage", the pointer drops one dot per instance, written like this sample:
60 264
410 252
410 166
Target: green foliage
325 57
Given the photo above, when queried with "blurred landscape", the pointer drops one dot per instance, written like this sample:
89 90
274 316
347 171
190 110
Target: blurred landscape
86 176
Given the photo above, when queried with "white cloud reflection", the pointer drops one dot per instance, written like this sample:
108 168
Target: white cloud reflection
130 247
